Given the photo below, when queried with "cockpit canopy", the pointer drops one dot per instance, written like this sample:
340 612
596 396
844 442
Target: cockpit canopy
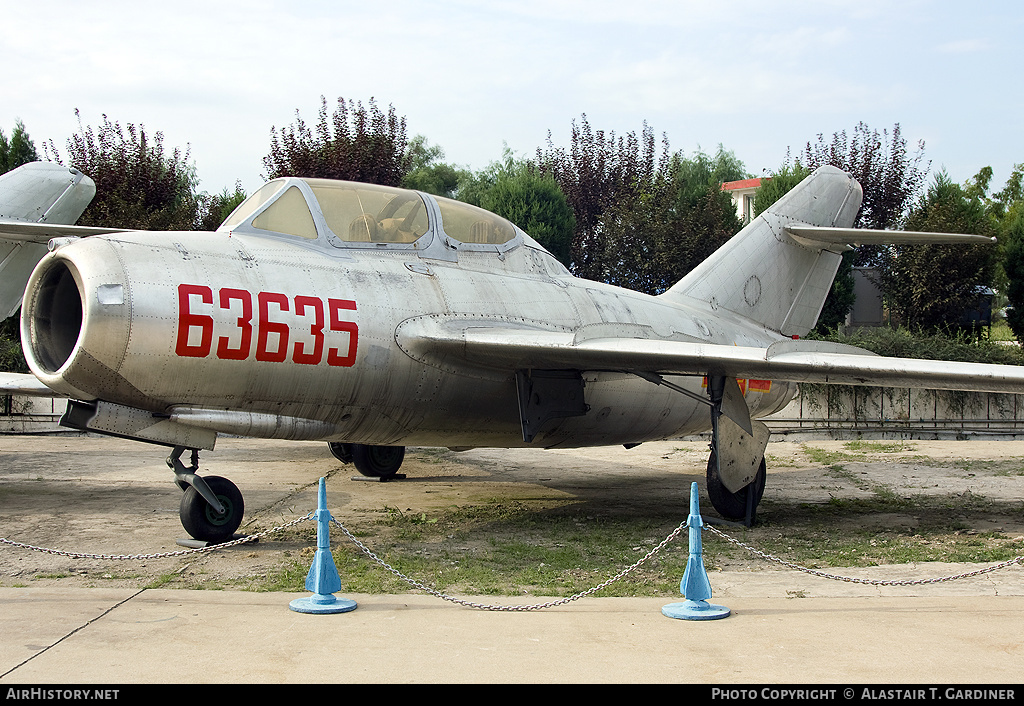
351 214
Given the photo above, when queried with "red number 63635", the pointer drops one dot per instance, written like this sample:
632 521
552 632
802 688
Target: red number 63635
271 328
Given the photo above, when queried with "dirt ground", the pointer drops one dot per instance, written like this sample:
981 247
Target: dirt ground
100 495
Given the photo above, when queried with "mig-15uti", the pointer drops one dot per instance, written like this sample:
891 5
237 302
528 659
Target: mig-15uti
375 318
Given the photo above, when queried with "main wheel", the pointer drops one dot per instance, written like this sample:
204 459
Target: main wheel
733 506
378 461
201 521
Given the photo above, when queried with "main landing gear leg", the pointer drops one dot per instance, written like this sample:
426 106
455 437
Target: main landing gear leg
736 468
211 507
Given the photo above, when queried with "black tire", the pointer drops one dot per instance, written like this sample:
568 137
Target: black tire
342 452
377 461
201 521
733 506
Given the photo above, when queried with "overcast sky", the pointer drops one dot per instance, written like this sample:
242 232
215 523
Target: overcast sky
757 77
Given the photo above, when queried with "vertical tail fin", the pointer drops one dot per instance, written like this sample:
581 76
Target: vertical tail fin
764 274
36 192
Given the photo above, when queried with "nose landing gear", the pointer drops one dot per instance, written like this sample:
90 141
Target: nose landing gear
212 507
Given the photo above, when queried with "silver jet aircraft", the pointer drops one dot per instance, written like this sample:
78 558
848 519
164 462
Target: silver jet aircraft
375 318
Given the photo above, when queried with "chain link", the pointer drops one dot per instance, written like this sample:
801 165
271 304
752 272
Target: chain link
516 608
164 555
529 607
850 579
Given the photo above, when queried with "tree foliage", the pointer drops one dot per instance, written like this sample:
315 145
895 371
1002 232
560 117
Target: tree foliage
600 173
354 143
426 171
1013 265
891 178
12 359
1009 201
928 287
138 184
17 150
644 216
535 203
215 208
778 185
1006 208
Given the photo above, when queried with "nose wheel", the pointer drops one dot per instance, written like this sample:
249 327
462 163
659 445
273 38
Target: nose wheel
202 521
211 507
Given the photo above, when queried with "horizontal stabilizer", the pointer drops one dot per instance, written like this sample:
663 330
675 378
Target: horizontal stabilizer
862 236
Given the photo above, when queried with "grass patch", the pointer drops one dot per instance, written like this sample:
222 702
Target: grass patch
502 547
864 532
995 467
543 548
854 451
879 447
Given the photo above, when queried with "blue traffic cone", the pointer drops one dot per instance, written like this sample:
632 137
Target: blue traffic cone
695 585
322 579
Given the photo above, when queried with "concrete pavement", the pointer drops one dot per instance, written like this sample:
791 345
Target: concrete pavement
785 627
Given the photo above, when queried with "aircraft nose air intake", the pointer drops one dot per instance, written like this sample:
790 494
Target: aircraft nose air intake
75 320
52 317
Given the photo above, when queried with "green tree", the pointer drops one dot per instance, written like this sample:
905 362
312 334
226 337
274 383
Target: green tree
354 143
138 184
428 173
644 216
695 176
214 209
601 173
891 177
535 203
700 226
1009 201
778 185
696 218
1006 207
12 359
929 287
1013 265
18 150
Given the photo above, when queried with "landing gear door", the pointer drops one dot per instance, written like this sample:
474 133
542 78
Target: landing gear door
739 453
739 441
548 394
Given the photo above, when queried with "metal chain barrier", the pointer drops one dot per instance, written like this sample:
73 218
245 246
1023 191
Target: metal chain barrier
850 579
164 555
517 608
521 608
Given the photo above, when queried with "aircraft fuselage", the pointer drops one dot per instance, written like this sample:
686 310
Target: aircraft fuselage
277 337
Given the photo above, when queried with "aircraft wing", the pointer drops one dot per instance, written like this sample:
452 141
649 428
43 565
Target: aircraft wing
22 244
24 384
519 348
28 232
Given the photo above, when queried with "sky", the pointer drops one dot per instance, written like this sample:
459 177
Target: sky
476 76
